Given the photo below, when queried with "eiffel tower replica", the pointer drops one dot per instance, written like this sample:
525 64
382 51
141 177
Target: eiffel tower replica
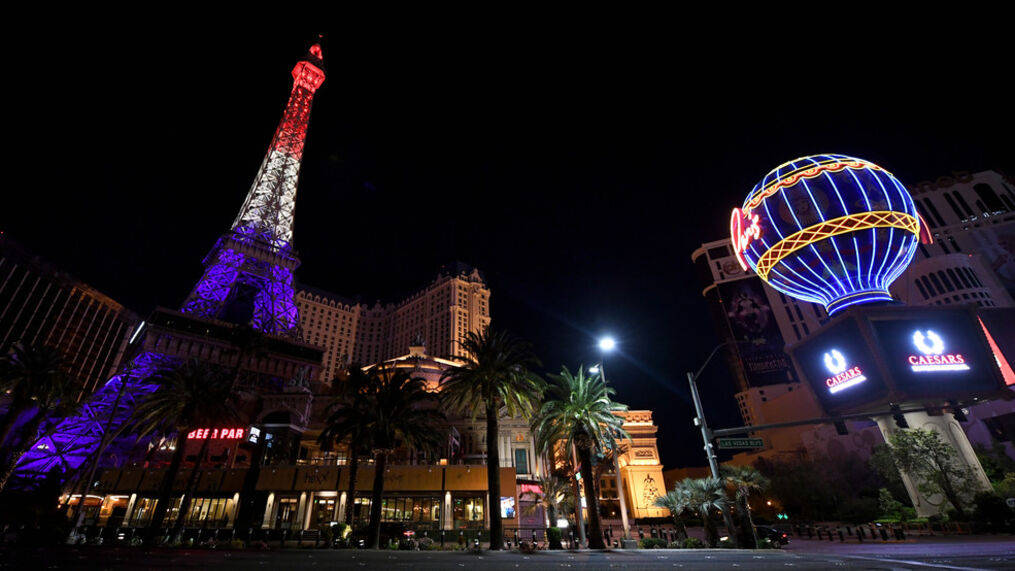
244 299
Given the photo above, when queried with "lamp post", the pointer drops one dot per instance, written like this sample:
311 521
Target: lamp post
607 344
706 432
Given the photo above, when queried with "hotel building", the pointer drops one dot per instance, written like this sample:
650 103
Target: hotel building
42 305
440 315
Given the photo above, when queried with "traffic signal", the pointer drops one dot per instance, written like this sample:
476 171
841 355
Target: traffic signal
840 427
900 419
781 516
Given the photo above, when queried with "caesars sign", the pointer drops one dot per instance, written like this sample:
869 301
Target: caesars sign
873 356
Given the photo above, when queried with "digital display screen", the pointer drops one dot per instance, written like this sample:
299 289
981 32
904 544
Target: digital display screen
936 354
840 367
507 507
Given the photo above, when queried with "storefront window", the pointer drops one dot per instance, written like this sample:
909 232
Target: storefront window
521 461
285 517
208 511
468 512
401 509
324 511
143 510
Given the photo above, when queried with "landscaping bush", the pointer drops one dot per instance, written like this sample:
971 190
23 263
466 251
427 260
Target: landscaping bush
727 543
427 544
553 535
693 543
652 543
991 509
527 547
766 543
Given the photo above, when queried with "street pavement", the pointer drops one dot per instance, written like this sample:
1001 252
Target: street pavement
996 552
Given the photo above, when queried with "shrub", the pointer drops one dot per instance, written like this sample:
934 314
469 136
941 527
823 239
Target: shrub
991 508
766 543
727 543
237 544
553 535
527 547
652 543
427 544
693 543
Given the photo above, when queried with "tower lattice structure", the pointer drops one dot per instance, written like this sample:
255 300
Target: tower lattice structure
248 281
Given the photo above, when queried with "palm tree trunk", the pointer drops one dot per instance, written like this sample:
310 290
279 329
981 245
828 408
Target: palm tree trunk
166 488
350 495
595 527
493 478
749 535
711 533
30 430
680 528
374 531
188 492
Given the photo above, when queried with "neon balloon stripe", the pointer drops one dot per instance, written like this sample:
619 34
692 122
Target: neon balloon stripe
836 226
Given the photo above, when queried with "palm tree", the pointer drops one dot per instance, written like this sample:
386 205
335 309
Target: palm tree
347 421
745 480
33 378
676 501
705 496
579 412
496 378
402 414
191 395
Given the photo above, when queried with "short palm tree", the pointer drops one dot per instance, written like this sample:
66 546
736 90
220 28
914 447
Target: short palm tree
745 480
579 412
495 379
676 501
402 414
34 379
191 395
347 422
706 496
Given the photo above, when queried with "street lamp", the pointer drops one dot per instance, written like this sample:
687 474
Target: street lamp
606 345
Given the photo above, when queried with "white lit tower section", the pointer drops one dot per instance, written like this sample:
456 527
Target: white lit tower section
248 275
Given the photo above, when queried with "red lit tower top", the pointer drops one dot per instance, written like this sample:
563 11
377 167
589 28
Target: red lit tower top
267 213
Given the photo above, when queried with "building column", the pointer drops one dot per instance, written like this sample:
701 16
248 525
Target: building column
301 511
951 432
269 507
339 508
130 509
446 515
234 510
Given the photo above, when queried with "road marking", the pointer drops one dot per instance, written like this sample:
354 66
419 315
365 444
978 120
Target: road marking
909 562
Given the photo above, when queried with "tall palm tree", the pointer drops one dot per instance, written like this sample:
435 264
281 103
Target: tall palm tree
496 379
706 496
745 480
191 395
34 378
676 501
347 422
579 412
402 414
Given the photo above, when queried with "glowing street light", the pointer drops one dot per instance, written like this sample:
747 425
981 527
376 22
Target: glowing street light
594 370
607 344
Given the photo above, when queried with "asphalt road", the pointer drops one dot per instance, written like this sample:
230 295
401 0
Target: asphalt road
949 553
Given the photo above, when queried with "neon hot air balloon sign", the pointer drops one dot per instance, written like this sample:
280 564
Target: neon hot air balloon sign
829 229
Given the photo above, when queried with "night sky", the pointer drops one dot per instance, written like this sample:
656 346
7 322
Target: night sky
577 173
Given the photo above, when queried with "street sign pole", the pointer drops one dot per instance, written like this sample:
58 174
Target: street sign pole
706 433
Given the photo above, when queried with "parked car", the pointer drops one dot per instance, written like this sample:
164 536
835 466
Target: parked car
775 535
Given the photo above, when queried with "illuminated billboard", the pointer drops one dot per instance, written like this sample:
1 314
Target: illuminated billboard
840 367
871 357
930 354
